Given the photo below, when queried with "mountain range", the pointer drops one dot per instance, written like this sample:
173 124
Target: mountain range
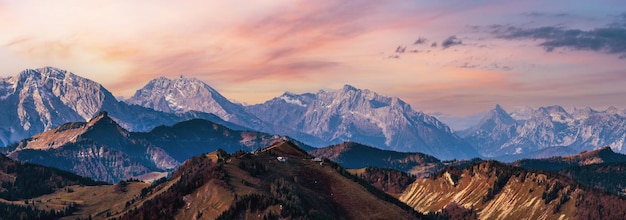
36 100
103 150
547 131
363 116
216 185
283 181
321 119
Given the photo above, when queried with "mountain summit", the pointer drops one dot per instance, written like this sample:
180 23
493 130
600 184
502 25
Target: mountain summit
182 94
494 129
363 116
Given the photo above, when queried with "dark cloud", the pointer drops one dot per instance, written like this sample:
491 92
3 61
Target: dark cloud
495 66
542 14
451 41
469 66
420 40
434 44
400 49
610 39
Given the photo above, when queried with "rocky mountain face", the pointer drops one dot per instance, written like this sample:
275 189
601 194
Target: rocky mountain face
498 134
37 100
182 95
495 129
103 150
498 191
363 116
354 156
100 149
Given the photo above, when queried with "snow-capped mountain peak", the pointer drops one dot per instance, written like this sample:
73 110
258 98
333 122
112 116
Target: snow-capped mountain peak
361 115
553 113
36 100
292 99
550 127
500 115
183 94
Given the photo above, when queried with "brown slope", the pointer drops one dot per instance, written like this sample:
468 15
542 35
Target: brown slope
73 132
255 186
286 149
499 191
99 149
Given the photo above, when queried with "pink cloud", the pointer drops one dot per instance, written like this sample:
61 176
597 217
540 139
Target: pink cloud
301 46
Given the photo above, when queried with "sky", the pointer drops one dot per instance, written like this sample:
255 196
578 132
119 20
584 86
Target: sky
448 58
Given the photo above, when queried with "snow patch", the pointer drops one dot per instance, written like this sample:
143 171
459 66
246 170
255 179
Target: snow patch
5 96
291 100
171 102
560 118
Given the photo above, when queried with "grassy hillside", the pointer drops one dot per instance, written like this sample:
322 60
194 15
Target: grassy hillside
254 186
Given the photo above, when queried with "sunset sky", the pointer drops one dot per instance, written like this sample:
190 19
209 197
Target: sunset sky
457 57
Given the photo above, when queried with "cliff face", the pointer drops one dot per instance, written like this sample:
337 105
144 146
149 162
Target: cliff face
364 116
501 134
498 191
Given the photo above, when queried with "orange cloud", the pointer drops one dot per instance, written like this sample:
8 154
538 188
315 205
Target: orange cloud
251 51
